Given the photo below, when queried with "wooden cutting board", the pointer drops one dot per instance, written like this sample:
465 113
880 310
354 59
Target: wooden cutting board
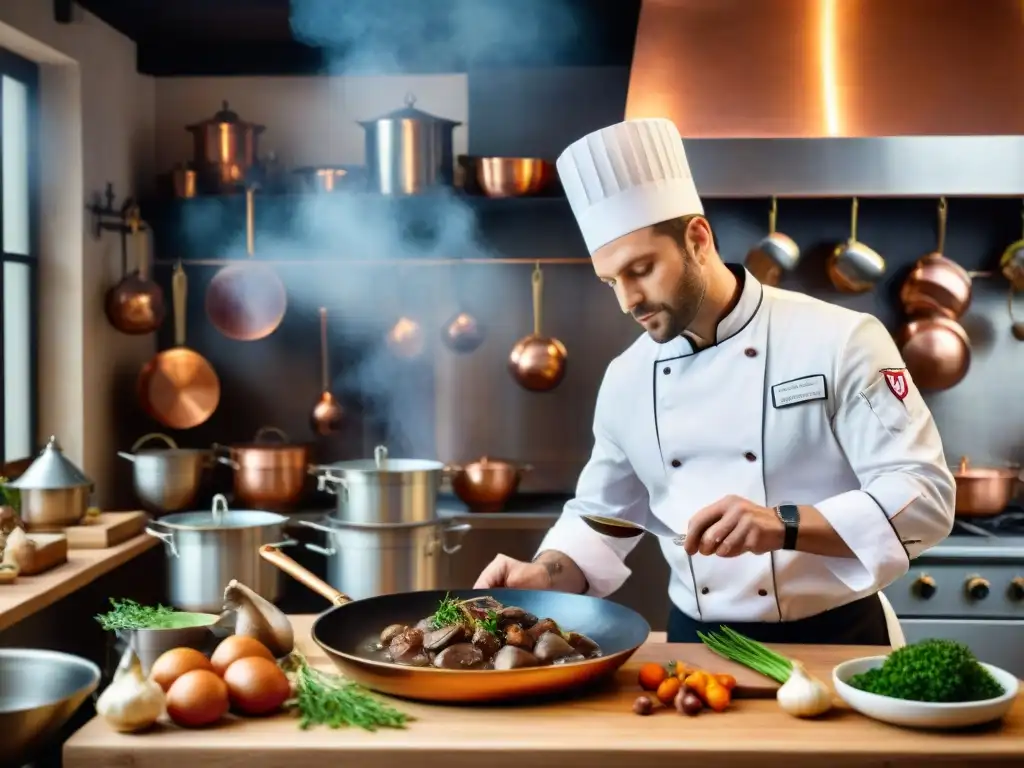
749 684
107 529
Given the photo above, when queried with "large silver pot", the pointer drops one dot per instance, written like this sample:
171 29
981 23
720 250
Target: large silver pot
409 151
167 479
371 560
54 492
208 549
382 490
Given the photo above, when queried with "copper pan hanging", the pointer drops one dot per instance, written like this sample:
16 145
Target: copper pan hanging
936 349
854 267
179 387
937 284
246 301
775 255
537 361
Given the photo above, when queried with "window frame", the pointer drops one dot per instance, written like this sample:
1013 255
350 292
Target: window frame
27 73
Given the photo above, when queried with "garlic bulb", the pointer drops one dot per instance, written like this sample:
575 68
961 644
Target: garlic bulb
803 695
131 702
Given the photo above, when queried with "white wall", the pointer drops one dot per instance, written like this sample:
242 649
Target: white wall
97 117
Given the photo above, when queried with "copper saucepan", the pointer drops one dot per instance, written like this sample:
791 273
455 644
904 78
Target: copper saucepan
178 387
269 474
485 485
135 305
936 349
984 491
536 361
246 301
937 284
775 255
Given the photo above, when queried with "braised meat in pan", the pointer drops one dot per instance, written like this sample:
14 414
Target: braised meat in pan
481 633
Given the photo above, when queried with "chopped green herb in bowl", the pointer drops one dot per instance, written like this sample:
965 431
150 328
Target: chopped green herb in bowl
128 615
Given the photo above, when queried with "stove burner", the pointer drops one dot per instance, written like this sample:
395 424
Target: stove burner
1008 523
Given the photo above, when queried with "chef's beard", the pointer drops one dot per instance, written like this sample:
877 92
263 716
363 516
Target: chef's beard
676 315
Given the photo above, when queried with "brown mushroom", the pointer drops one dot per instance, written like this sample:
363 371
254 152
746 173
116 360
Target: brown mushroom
551 646
582 644
519 637
391 632
486 642
437 639
405 646
512 657
542 626
459 656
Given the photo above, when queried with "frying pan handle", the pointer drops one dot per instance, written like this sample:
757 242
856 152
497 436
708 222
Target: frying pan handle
275 556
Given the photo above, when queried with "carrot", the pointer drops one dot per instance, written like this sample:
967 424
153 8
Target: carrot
727 681
668 689
698 683
716 695
682 669
651 675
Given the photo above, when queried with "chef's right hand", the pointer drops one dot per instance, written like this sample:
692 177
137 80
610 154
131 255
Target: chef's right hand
504 571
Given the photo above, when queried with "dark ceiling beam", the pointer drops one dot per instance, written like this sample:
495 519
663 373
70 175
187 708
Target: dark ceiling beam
62 11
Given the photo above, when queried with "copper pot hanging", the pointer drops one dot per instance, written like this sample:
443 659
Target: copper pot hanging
179 387
463 333
538 362
937 284
936 349
135 305
775 255
853 267
247 301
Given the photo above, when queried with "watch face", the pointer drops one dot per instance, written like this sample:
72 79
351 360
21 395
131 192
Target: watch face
789 513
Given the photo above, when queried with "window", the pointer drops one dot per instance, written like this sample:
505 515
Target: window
19 256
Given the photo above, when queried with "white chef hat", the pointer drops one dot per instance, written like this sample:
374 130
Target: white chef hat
626 177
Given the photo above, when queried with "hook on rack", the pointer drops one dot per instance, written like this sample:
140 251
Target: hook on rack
108 217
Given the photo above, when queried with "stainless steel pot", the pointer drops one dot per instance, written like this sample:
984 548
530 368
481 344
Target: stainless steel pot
54 492
381 490
167 479
208 549
373 560
408 151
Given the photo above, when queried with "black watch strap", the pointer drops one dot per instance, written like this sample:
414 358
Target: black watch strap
789 514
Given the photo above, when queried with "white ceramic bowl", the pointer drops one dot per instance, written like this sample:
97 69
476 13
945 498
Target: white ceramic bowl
921 714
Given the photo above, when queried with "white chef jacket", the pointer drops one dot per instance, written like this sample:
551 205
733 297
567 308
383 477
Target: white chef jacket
790 405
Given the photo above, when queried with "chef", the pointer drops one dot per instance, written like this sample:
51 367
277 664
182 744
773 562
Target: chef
782 434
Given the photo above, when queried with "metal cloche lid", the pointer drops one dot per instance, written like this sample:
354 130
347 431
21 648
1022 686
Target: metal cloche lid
409 112
51 470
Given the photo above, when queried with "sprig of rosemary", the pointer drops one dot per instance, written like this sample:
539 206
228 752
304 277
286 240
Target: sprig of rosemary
322 698
129 615
490 623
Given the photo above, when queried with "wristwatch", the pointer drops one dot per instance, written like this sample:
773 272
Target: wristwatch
789 514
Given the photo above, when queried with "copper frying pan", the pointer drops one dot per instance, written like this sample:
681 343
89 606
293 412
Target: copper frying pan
936 349
247 301
179 387
346 631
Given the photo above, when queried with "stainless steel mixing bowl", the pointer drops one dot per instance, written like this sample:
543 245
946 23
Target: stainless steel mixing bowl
39 692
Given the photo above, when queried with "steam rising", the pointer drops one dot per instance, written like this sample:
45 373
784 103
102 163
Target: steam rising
366 301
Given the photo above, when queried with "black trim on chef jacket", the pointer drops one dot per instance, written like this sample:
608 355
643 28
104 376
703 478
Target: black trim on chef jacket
861 622
741 276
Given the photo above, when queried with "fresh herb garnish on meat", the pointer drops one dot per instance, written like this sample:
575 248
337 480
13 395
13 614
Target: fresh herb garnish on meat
449 611
489 623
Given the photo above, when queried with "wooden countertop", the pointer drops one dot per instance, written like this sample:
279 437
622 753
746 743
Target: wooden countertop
596 731
30 594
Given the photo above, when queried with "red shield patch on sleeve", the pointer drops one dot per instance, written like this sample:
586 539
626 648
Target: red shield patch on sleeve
897 381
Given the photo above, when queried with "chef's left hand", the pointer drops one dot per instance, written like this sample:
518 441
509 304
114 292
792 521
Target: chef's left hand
732 526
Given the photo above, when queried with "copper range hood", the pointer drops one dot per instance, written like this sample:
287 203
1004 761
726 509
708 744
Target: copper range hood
838 97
